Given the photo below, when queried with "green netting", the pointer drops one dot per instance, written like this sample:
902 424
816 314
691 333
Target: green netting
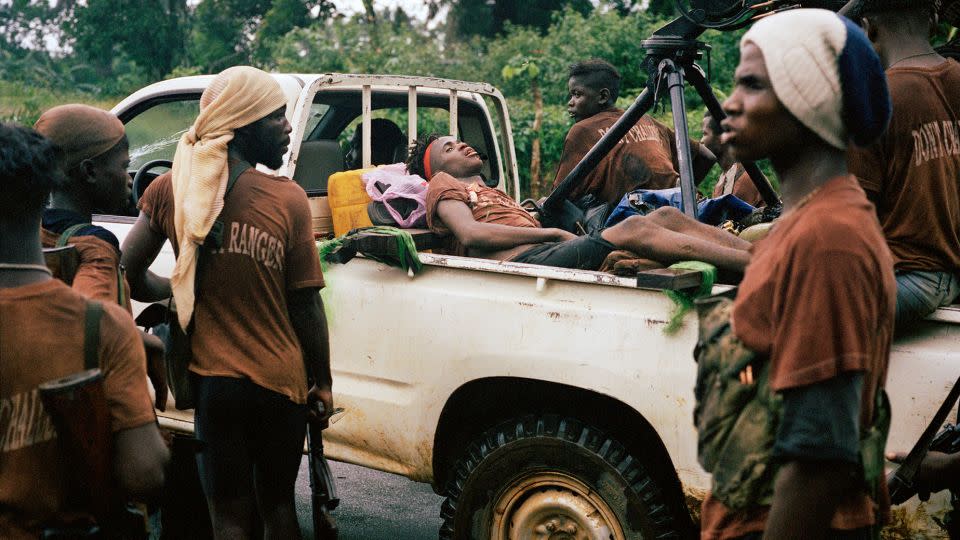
405 256
684 299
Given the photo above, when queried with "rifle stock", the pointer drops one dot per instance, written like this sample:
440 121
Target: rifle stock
63 262
77 405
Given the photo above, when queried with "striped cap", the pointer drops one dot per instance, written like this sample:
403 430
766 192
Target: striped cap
825 72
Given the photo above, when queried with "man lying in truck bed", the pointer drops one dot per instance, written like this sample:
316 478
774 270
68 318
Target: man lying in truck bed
487 223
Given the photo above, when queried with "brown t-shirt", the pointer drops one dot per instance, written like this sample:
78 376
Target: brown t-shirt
241 325
96 276
41 339
818 299
644 158
914 170
489 205
736 181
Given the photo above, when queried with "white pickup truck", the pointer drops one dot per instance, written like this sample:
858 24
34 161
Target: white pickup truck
541 402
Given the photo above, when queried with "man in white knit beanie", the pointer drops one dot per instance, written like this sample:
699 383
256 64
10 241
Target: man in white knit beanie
246 288
813 316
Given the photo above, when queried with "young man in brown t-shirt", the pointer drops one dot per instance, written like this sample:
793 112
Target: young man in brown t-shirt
93 154
42 325
913 173
487 223
817 301
259 336
645 158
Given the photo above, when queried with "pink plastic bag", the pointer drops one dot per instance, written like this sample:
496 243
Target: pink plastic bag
409 188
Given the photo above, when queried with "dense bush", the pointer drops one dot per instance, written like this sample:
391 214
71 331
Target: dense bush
396 45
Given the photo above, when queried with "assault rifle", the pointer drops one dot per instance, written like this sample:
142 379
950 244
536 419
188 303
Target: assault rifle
902 482
323 488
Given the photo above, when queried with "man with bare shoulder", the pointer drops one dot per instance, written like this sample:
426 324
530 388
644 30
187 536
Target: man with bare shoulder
42 338
486 222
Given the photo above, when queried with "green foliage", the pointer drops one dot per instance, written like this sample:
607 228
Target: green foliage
121 45
23 104
149 34
493 17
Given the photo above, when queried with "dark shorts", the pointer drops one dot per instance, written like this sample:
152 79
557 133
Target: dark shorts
252 437
584 252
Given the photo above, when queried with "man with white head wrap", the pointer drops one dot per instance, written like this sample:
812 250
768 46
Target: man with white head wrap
813 316
257 319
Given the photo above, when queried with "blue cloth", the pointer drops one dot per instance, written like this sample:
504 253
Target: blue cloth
709 211
920 293
57 220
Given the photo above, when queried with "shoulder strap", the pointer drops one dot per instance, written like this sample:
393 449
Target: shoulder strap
91 335
67 234
234 172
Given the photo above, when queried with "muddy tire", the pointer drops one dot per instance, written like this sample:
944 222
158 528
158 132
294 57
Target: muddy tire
552 477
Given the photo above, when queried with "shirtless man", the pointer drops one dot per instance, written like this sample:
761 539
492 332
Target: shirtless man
912 173
487 223
645 158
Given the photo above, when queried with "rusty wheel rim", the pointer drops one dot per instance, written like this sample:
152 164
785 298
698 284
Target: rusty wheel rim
553 506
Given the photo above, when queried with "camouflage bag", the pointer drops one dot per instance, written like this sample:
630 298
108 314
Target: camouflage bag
736 413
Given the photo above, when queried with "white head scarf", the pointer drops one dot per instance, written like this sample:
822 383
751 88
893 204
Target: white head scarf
238 96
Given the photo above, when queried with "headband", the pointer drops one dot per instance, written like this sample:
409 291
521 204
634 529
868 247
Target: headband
426 161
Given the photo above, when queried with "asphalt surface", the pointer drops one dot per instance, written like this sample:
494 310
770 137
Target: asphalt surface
374 505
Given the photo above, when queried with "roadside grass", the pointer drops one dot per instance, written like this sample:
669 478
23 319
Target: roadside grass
23 104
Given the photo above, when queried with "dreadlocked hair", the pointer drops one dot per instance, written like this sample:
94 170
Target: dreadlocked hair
416 152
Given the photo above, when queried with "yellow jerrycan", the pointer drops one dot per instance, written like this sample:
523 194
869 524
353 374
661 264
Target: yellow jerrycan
348 201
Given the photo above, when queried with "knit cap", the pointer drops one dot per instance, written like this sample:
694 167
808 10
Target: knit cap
825 72
80 131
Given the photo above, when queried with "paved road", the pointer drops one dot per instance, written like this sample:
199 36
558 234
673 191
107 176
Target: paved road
375 505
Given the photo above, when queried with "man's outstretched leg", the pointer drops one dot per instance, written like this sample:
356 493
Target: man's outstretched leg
675 220
648 239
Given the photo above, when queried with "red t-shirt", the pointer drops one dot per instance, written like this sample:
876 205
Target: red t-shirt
818 299
914 170
644 158
41 339
241 325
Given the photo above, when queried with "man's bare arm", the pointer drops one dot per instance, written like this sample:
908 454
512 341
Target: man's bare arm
310 324
139 460
491 236
140 248
805 497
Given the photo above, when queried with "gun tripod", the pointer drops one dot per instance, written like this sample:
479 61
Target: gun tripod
672 53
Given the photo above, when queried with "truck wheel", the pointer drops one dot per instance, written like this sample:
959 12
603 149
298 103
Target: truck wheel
552 477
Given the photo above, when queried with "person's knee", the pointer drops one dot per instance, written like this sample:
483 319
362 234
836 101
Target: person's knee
918 296
636 225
